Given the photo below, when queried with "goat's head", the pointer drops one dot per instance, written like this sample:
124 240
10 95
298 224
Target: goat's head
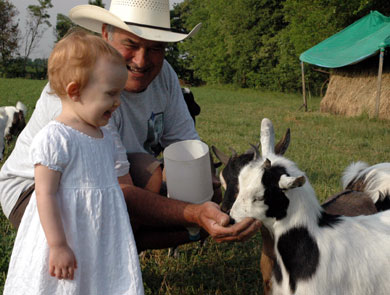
229 175
262 188
233 164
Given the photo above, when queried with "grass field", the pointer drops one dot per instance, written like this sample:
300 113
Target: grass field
321 144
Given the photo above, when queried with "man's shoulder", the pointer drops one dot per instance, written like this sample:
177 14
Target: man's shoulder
167 72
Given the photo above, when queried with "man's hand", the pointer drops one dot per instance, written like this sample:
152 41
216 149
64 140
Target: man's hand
216 223
62 262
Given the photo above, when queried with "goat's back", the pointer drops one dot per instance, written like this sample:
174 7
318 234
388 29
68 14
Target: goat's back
354 257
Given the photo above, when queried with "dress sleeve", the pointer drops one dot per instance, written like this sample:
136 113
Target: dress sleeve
50 149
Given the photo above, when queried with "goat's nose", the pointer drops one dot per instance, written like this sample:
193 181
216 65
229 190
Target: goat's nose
232 221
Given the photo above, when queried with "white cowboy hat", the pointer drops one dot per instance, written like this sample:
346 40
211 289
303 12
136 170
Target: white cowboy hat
148 19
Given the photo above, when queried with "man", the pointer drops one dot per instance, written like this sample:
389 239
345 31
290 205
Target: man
152 113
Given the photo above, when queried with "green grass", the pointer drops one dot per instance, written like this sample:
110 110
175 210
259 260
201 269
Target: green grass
321 144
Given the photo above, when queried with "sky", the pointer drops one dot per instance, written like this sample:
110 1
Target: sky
45 46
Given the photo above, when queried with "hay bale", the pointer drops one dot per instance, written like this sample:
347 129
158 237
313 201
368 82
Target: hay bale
352 90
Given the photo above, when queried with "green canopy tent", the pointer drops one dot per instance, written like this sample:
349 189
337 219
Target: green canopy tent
364 38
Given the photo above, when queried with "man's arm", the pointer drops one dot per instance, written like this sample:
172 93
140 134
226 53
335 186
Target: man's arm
155 210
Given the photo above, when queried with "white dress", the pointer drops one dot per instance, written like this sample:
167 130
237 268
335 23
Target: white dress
94 216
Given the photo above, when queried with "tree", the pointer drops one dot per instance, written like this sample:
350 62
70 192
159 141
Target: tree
9 33
37 21
64 24
236 42
97 3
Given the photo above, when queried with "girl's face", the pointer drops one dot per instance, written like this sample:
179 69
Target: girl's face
101 96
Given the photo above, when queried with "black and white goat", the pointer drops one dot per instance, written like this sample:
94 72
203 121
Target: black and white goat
316 253
12 121
232 165
352 201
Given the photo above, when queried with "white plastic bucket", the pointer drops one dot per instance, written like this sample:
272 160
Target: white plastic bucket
188 172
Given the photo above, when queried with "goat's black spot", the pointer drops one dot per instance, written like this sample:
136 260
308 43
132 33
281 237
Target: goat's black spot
277 203
277 272
383 202
300 254
229 197
272 176
274 197
328 220
192 106
230 174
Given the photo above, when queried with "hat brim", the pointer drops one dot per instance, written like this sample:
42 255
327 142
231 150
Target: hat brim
92 17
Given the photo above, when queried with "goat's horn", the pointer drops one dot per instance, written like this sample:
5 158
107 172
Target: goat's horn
234 153
253 147
257 152
267 137
282 145
220 155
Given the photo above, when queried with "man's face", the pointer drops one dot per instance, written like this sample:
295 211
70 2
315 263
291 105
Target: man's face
144 58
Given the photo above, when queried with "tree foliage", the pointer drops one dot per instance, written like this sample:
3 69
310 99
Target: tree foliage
64 24
257 43
9 34
37 23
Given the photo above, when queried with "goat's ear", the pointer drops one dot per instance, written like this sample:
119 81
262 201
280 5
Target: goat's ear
266 164
267 137
220 155
288 182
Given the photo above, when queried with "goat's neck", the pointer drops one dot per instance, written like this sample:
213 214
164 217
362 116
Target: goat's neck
303 210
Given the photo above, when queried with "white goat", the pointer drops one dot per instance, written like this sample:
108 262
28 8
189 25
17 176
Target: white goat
12 121
316 253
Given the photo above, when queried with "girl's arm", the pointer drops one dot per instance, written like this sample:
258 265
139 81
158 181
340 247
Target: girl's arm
62 262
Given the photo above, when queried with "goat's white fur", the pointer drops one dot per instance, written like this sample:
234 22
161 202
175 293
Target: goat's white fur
6 118
376 178
354 255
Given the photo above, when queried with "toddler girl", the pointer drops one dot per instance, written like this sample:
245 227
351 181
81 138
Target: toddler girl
75 236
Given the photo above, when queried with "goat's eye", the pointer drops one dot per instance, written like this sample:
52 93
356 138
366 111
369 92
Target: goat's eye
257 199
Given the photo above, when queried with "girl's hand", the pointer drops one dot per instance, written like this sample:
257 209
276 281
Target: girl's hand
62 262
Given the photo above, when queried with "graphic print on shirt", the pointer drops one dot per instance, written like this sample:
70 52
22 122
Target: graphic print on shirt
155 130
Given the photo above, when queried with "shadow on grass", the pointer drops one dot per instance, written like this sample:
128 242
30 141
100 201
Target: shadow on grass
228 268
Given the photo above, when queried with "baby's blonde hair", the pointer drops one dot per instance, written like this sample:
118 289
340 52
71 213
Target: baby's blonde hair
74 57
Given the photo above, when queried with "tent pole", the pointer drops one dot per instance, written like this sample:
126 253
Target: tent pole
303 86
379 84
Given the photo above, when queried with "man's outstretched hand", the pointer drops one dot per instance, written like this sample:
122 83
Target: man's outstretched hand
216 223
